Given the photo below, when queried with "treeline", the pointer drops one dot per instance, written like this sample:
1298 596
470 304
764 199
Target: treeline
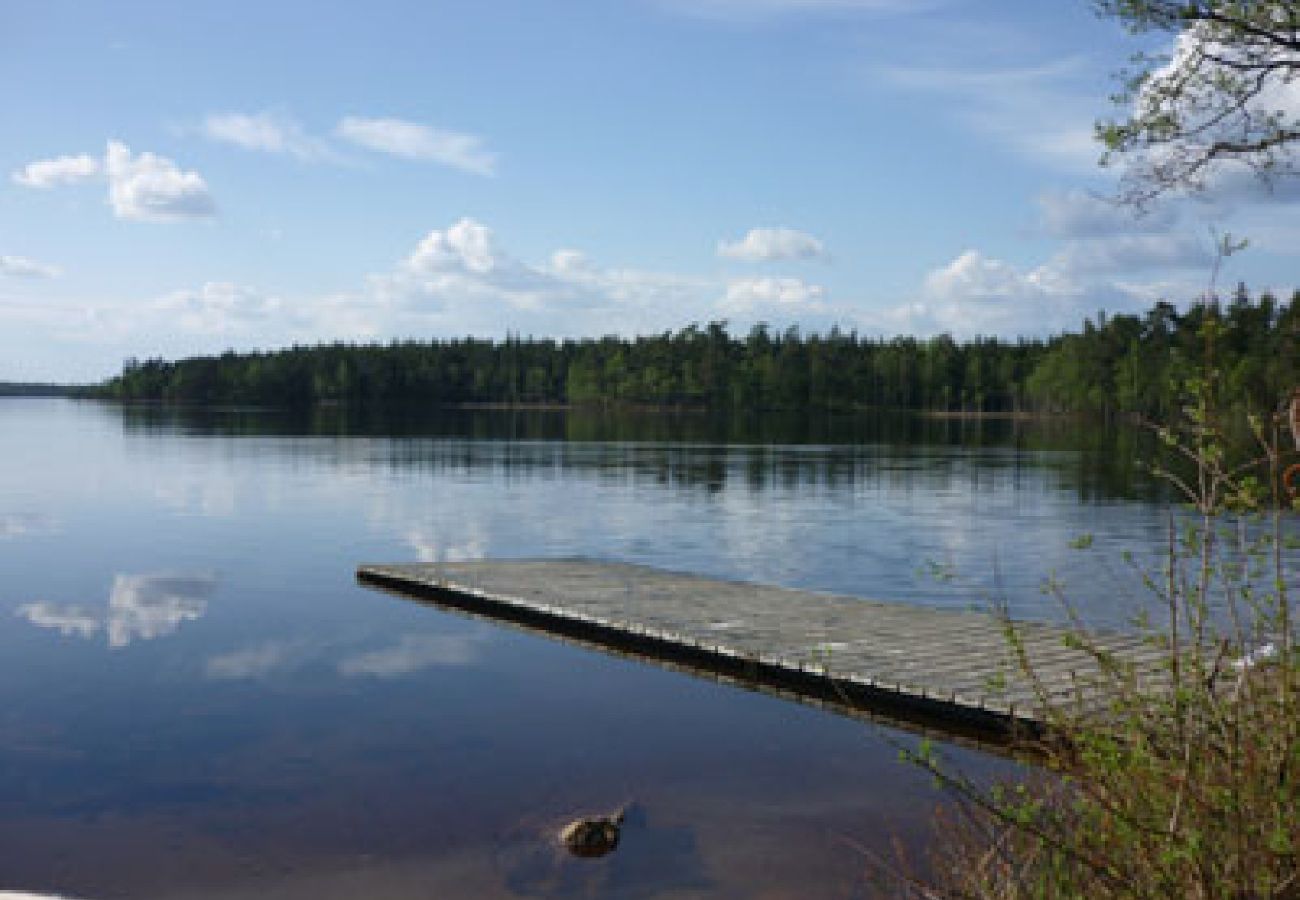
1135 364
1131 364
33 389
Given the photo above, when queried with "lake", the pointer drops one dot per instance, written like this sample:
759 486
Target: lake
198 701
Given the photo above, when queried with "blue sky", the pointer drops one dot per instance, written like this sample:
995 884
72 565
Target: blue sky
184 178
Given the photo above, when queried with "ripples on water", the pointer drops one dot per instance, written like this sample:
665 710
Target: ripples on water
198 701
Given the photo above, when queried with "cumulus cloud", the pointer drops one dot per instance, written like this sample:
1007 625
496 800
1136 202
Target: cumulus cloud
411 140
462 266
142 187
769 244
146 187
455 280
46 173
754 294
975 294
412 653
21 267
976 277
1108 257
466 247
978 295
268 132
459 276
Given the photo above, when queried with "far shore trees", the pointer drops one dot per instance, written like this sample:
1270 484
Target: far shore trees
1116 365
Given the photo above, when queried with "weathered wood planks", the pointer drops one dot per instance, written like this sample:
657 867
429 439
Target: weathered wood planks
937 668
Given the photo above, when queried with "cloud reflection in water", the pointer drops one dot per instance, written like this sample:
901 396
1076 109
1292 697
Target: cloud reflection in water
250 662
151 606
412 653
66 620
17 525
140 607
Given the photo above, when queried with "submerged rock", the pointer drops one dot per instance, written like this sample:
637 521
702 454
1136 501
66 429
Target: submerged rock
593 836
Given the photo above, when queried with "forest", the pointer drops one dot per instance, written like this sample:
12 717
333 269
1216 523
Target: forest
1121 364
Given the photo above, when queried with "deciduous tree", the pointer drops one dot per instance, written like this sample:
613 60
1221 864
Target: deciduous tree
1227 94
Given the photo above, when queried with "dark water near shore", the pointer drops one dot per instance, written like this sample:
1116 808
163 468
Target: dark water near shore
197 700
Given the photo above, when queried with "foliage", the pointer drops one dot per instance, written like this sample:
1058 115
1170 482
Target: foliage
1115 365
1133 364
1226 93
1181 785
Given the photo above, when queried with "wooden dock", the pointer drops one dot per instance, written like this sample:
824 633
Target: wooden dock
935 669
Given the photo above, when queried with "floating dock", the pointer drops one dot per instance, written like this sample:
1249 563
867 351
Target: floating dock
939 670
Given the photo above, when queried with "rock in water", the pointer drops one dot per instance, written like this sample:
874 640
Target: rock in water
593 836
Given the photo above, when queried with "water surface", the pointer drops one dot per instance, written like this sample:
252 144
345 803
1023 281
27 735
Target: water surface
197 700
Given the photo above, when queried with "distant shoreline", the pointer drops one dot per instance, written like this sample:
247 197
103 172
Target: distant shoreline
34 389
606 407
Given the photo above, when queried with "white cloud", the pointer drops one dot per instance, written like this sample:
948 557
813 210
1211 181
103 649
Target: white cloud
412 653
411 140
151 188
21 267
973 276
1080 214
459 278
978 295
1132 253
218 308
461 267
1033 110
268 132
66 620
753 294
974 294
626 300
769 244
465 247
46 173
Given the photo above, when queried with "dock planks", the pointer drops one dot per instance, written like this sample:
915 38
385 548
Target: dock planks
940 669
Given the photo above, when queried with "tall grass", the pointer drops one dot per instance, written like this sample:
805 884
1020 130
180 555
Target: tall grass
1185 784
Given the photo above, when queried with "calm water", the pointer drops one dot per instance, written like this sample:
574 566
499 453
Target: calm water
197 700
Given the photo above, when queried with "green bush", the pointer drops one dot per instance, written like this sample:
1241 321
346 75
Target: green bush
1182 785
